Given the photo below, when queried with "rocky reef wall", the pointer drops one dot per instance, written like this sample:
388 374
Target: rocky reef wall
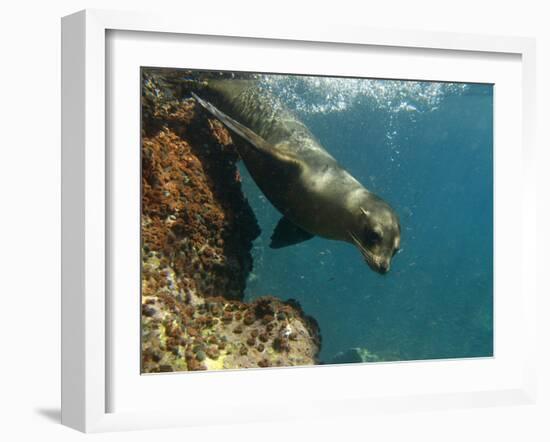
197 232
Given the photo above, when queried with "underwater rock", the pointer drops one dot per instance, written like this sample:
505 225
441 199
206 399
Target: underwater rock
354 355
198 338
197 232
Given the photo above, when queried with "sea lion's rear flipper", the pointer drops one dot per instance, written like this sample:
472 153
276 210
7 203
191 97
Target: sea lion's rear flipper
252 137
287 234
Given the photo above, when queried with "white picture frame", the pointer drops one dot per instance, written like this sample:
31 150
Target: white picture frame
86 315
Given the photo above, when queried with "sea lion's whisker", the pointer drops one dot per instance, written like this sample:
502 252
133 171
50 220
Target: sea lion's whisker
366 253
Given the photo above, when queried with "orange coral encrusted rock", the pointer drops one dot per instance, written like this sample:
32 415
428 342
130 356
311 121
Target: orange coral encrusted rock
197 232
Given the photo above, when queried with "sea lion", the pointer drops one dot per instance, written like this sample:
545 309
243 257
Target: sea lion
300 178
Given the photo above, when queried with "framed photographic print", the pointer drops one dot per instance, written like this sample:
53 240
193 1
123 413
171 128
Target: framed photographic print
249 214
215 236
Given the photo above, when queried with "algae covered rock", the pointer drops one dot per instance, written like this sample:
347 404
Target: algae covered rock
216 333
197 230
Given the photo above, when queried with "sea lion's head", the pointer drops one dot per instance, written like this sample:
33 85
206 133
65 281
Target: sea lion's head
376 232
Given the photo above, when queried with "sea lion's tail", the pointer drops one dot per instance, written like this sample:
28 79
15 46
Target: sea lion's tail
184 81
179 81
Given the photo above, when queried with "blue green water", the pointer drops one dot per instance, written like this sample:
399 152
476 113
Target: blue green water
427 149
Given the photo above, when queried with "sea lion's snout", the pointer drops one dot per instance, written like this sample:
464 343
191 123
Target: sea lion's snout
384 267
381 266
376 256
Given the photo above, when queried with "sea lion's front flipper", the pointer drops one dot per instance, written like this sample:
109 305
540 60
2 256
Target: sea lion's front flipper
249 135
287 234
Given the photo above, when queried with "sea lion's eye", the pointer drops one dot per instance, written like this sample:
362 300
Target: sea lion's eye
372 236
